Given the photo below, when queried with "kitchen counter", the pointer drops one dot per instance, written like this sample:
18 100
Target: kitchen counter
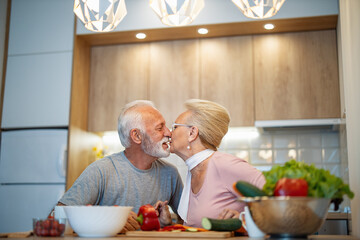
124 237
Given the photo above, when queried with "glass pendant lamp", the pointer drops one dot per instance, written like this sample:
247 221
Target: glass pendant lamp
259 9
100 15
177 12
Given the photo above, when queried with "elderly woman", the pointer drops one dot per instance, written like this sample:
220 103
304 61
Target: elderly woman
208 191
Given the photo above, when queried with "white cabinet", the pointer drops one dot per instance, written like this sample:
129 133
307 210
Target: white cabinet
39 64
37 90
40 26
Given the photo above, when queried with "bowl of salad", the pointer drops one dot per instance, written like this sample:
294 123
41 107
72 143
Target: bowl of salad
295 199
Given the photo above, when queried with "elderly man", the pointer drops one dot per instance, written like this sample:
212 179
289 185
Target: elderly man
135 176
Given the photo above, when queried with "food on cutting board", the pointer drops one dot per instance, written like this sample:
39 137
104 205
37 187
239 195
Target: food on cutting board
147 218
181 228
231 224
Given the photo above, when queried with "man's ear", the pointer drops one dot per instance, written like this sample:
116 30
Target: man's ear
135 136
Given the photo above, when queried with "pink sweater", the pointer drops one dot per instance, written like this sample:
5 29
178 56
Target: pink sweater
217 191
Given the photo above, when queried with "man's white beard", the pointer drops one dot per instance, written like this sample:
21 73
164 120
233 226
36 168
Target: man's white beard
155 149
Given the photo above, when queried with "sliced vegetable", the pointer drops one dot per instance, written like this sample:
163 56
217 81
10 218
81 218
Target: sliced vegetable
147 218
248 190
181 228
291 187
230 224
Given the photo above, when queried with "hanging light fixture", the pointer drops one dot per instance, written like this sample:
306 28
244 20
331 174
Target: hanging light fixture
100 15
259 9
177 12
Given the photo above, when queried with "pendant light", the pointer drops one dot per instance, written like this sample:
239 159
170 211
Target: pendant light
259 9
177 12
100 15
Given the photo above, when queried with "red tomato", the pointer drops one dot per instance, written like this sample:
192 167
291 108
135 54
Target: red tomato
54 232
46 224
291 187
61 228
44 232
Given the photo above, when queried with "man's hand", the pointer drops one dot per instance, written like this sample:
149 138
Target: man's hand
131 224
229 213
163 212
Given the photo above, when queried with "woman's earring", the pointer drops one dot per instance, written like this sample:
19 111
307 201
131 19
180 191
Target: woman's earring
188 147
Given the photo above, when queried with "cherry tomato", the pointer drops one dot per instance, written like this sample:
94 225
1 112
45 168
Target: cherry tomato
291 187
54 232
46 224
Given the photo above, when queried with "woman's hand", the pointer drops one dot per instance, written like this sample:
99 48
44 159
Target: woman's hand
229 213
163 212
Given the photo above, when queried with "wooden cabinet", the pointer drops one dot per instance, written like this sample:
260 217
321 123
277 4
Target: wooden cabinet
118 74
174 76
226 76
296 76
264 77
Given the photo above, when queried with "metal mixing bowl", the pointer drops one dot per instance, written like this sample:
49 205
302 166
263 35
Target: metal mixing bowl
288 217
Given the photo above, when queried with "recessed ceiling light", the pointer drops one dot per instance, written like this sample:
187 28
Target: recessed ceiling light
203 31
140 35
269 26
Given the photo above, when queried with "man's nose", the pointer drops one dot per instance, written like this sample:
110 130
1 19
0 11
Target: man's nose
167 132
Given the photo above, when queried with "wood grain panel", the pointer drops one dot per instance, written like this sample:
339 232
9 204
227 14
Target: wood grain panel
119 74
215 30
174 75
296 76
227 78
80 141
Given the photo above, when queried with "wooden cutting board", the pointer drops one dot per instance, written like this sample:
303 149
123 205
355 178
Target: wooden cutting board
155 234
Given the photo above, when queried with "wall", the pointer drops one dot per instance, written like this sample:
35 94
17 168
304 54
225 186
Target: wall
349 48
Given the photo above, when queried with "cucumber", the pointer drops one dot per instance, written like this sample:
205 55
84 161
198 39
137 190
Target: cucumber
230 224
248 190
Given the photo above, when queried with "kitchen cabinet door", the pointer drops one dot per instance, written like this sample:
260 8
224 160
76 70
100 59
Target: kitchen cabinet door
226 76
37 90
296 76
174 76
118 75
41 26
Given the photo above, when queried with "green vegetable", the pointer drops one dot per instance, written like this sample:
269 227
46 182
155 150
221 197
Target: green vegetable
230 224
321 183
248 190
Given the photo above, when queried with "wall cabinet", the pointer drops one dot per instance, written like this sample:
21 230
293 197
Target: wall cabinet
263 77
39 65
226 76
174 76
118 75
296 76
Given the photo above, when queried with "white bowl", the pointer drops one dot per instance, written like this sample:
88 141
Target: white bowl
97 221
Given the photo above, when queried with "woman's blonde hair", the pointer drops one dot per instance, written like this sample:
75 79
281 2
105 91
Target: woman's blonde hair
210 118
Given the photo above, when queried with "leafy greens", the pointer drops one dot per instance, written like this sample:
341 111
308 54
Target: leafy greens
322 184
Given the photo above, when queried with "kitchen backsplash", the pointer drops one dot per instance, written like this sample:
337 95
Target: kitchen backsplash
325 148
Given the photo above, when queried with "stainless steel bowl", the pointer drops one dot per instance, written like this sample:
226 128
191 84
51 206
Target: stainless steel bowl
288 217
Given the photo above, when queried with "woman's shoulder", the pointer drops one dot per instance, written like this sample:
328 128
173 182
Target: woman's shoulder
223 158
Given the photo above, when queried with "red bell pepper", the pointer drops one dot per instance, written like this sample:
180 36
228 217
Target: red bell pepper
291 187
147 218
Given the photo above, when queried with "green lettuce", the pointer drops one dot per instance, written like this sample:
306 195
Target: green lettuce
321 183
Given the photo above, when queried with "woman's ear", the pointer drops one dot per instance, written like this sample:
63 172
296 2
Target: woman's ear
135 136
193 134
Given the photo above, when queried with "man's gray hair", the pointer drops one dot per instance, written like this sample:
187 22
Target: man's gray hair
130 118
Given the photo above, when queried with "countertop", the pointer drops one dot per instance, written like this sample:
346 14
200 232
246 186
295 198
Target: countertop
124 237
